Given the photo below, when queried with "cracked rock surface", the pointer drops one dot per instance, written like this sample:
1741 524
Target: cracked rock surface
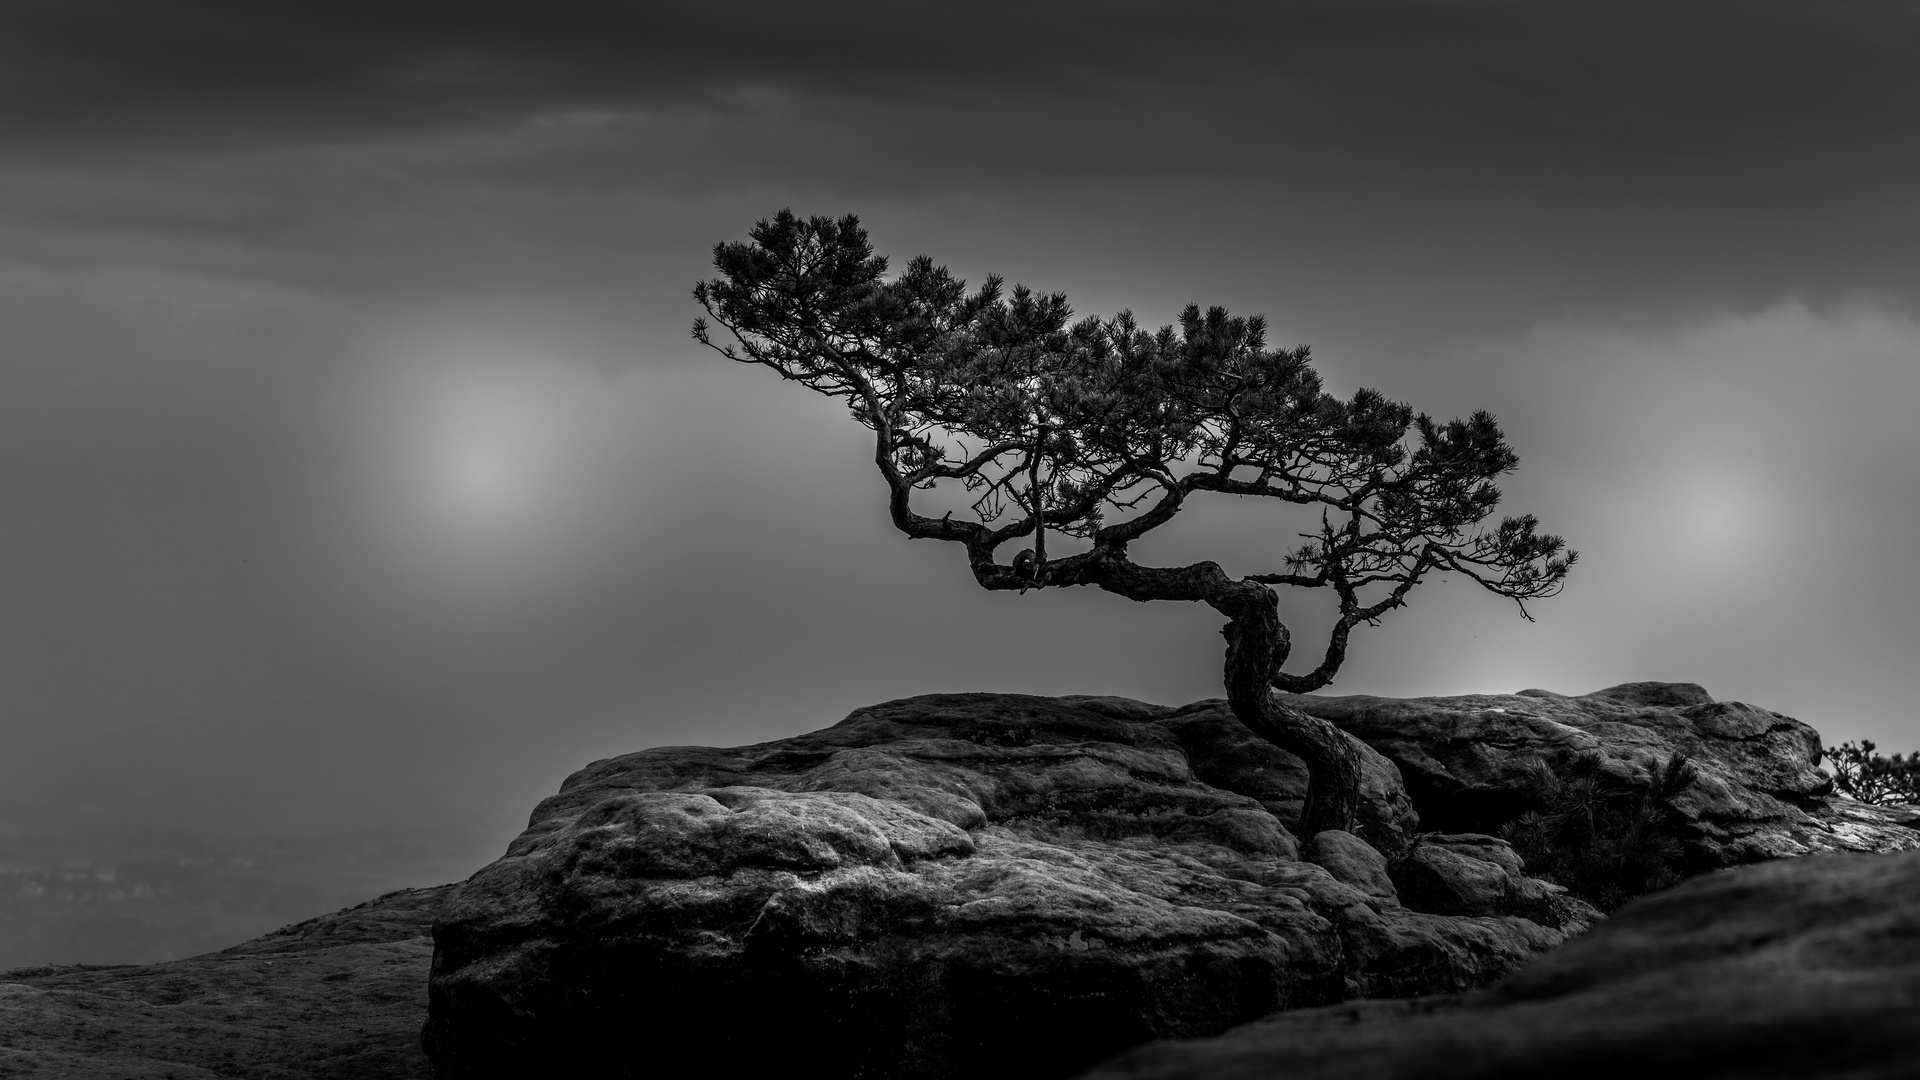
948 886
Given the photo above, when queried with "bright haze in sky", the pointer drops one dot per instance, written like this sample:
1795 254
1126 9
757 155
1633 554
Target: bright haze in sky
360 472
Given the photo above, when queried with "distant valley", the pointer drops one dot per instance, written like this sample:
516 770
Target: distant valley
99 898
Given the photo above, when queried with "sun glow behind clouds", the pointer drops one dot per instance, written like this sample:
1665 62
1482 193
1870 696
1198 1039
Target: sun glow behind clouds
1721 522
488 458
491 430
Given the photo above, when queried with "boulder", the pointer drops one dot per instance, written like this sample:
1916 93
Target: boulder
1355 862
1466 763
1471 874
936 887
1802 968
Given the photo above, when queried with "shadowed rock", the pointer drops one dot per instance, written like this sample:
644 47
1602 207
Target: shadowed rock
1354 861
1471 874
937 887
1804 968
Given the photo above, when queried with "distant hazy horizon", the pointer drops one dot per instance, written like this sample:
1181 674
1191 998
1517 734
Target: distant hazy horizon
361 476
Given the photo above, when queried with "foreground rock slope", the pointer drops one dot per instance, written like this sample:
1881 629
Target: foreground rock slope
1801 969
951 885
341 997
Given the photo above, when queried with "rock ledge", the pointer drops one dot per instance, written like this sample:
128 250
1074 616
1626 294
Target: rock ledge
952 884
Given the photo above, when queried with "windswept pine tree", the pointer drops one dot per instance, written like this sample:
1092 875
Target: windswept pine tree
1090 434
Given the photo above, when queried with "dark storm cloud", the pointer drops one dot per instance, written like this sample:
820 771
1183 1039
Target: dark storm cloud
246 73
1546 75
1627 154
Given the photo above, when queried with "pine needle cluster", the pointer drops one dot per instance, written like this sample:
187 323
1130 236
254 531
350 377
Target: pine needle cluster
1606 840
1860 772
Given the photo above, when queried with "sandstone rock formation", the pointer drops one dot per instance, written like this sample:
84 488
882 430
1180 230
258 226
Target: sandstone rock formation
978 877
1465 761
341 997
948 886
1802 968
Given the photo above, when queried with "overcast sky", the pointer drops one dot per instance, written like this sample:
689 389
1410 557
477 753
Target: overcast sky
358 468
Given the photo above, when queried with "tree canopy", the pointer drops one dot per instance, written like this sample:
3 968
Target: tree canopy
1100 430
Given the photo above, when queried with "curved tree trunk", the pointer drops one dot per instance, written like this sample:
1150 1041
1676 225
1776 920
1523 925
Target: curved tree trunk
1254 636
1256 646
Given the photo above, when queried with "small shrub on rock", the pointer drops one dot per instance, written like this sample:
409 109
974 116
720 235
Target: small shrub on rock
1605 840
1860 772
